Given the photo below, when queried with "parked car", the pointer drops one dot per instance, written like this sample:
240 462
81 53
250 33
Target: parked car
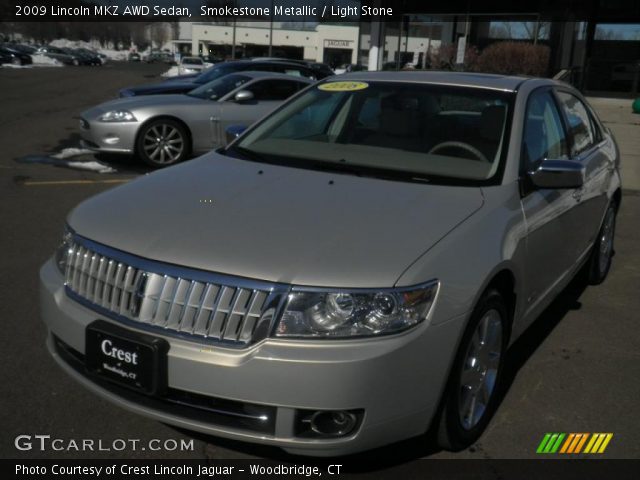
349 67
59 54
324 69
159 57
184 83
133 57
163 130
82 57
8 54
95 58
189 65
22 48
349 271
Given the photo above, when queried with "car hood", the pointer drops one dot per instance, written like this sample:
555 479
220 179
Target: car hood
134 103
276 223
162 88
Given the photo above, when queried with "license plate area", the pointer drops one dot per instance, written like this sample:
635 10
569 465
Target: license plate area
130 359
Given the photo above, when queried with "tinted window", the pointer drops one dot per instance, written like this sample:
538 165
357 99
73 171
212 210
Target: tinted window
544 135
273 89
579 123
217 71
217 89
289 70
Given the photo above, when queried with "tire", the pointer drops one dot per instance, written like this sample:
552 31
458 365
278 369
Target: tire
16 61
599 262
162 142
475 381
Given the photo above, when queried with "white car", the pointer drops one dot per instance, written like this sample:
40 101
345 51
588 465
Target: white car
189 65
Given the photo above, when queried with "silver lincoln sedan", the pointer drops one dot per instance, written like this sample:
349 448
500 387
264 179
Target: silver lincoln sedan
166 129
349 271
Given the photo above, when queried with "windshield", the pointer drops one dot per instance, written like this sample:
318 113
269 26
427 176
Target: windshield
438 133
214 72
219 88
192 61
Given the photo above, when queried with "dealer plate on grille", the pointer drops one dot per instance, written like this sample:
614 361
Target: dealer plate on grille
130 359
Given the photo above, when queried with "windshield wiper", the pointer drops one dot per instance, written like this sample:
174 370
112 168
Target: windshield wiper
247 154
340 167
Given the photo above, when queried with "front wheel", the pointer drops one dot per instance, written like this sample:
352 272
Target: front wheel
602 253
474 383
163 142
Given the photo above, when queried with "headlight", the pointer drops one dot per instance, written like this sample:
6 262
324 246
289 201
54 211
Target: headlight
62 252
355 313
117 116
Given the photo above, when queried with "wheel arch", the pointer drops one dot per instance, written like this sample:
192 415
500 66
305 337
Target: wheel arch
505 280
617 198
173 118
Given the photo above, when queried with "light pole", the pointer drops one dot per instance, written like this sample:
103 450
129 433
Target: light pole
271 31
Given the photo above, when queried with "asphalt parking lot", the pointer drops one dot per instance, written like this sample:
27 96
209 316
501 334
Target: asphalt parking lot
575 370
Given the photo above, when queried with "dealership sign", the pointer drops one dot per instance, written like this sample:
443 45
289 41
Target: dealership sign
338 43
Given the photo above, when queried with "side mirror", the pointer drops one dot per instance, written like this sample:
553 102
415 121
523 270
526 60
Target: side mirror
558 174
243 96
234 131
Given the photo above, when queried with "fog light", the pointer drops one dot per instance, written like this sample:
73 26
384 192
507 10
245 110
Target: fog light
337 423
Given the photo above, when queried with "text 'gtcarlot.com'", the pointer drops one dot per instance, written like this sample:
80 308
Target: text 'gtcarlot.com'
46 442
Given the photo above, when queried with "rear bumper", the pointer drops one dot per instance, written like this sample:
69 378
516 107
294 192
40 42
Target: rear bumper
396 381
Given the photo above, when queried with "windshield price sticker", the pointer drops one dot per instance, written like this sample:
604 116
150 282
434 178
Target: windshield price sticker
343 86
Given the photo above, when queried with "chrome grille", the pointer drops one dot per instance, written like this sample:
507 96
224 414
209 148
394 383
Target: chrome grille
202 309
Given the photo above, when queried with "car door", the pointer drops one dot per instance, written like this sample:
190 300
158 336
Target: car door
548 212
586 142
267 95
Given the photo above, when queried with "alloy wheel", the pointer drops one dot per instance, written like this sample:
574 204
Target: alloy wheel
163 144
480 369
606 240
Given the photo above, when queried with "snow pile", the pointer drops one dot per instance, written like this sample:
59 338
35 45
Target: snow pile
110 53
72 152
172 72
60 160
94 166
41 60
175 70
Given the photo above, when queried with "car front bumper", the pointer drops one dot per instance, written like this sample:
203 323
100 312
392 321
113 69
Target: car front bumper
108 137
396 381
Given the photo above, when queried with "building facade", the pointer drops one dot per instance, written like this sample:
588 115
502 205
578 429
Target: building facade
594 44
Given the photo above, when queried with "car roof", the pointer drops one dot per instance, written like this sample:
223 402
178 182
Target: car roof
464 79
269 61
273 75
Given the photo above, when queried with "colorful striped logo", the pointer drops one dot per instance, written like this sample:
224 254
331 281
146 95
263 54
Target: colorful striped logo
574 443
